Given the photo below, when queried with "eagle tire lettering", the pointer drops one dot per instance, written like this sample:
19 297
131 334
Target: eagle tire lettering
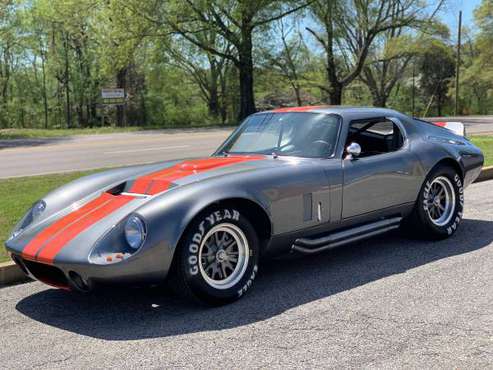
458 217
249 282
426 193
420 223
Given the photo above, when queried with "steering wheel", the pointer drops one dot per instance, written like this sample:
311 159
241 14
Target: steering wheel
287 148
320 147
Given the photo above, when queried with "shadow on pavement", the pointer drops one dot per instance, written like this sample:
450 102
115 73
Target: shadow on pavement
18 143
281 285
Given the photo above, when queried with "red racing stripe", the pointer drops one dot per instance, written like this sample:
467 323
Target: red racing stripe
298 109
34 246
57 243
160 181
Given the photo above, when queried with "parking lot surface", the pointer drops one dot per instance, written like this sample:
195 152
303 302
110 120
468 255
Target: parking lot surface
388 302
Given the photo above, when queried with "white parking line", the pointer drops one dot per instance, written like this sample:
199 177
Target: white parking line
147 149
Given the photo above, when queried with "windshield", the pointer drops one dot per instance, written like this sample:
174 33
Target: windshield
311 135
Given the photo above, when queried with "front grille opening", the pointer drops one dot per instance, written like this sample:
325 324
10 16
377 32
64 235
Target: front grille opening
78 281
18 261
50 275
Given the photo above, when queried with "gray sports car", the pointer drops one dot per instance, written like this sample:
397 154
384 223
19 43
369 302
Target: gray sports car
292 180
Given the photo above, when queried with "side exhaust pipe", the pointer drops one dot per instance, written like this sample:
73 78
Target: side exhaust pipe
310 246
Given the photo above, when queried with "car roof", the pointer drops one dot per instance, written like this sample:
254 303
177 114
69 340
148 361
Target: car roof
347 112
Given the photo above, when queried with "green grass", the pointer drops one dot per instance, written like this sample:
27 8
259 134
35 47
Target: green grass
32 133
19 194
486 144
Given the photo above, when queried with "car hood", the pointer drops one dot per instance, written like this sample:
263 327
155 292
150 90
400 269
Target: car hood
172 174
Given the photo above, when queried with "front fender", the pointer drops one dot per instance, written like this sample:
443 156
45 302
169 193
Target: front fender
87 187
169 214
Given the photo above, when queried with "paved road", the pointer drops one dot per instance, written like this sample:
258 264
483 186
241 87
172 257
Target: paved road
475 125
36 157
43 156
386 303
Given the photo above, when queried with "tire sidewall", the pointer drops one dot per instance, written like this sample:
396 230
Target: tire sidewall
457 183
189 253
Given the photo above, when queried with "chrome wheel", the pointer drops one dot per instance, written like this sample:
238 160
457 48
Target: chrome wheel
223 256
440 201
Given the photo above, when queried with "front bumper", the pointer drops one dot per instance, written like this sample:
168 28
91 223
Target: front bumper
149 267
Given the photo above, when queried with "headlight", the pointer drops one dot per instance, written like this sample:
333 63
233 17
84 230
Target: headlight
135 232
36 210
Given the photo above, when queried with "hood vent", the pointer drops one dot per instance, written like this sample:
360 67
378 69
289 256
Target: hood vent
117 190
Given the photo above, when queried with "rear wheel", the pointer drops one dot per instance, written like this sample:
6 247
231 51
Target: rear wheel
438 211
217 258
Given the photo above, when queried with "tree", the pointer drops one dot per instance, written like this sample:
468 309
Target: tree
437 67
477 71
206 69
347 31
289 59
233 20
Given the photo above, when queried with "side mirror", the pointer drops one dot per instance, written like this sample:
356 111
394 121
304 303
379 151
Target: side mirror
353 150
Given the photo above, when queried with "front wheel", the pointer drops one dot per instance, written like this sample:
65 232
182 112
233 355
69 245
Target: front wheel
438 211
217 259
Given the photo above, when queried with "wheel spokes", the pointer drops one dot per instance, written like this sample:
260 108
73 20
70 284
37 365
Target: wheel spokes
223 255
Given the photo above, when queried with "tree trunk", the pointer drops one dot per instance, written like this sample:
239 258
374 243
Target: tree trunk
335 86
439 104
45 95
213 103
379 101
67 83
121 80
335 93
297 93
245 66
224 94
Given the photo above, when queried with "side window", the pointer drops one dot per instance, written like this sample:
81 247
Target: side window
375 136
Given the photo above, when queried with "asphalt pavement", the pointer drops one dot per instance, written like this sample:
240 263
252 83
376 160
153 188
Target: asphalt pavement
27 157
388 302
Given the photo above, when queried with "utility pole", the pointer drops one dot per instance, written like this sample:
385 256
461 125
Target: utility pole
414 86
457 66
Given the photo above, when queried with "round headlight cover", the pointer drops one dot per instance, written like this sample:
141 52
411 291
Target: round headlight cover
38 208
135 232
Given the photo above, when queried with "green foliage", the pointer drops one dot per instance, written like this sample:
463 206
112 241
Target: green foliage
486 145
187 62
437 67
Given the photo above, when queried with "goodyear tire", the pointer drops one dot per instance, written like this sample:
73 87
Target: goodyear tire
217 259
438 210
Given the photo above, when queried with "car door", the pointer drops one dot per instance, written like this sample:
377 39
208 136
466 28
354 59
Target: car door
305 191
384 175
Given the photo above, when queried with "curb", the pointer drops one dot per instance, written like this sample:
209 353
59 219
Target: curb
11 274
486 174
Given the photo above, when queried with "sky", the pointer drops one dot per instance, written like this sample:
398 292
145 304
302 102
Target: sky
450 14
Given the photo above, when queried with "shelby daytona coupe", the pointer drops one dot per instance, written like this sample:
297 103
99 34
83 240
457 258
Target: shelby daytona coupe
292 180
